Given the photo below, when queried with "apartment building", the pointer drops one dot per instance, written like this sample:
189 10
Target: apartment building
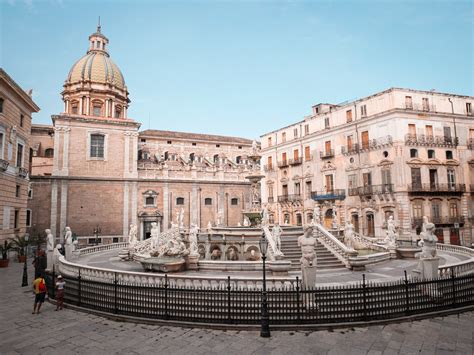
401 152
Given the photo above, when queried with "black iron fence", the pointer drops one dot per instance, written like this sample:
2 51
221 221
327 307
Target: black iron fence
365 301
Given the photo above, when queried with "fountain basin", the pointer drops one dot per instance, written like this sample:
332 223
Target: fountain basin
161 263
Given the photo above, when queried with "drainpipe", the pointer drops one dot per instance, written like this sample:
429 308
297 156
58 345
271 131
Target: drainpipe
454 120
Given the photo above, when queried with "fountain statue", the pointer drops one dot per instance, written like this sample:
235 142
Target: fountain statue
429 261
49 249
69 244
307 243
253 213
317 214
193 241
391 237
276 233
349 235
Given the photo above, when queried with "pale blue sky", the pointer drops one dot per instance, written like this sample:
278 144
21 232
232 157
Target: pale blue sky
241 67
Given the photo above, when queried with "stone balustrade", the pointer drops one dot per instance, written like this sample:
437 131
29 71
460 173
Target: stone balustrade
339 249
102 247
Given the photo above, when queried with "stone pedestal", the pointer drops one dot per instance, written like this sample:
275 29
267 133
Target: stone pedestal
279 267
192 262
427 268
308 277
124 254
49 259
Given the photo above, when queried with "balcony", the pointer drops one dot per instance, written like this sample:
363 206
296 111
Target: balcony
430 141
439 220
371 190
283 164
22 172
378 143
268 168
436 188
337 194
329 153
470 143
4 165
350 150
296 161
420 107
289 198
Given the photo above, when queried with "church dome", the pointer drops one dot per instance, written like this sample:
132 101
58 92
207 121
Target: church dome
97 67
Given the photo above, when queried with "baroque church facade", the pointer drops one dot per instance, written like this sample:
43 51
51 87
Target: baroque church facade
93 169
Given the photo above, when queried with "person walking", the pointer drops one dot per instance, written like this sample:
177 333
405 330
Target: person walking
39 287
40 263
60 283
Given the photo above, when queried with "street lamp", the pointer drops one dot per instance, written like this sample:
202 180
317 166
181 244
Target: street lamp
25 271
265 329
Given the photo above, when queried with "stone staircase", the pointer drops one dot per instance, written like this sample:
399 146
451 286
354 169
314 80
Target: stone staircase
289 247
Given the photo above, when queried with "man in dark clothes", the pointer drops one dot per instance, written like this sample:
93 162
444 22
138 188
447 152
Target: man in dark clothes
40 263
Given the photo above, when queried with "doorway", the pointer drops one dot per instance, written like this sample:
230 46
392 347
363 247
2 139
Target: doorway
454 236
147 229
355 222
328 219
370 225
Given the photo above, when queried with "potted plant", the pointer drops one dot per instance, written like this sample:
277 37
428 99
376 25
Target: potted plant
20 244
7 245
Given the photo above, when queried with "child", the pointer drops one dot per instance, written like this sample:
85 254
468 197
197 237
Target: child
39 287
60 292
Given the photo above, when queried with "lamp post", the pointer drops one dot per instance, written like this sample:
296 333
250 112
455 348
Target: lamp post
25 271
96 234
265 329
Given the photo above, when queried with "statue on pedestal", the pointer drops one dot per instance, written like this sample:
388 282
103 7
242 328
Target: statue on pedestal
132 235
69 245
220 218
276 234
49 248
307 242
349 235
181 218
429 261
317 214
265 218
209 226
56 254
390 239
155 235
193 240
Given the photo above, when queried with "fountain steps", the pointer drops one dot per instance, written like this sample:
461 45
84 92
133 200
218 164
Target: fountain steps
289 247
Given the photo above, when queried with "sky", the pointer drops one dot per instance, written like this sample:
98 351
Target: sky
240 68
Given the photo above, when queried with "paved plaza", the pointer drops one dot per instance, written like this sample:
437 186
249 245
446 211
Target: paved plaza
71 332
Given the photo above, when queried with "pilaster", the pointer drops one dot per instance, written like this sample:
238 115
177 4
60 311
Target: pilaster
126 201
65 168
165 206
54 207
63 219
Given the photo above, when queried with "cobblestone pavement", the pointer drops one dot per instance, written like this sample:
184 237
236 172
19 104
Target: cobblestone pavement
72 332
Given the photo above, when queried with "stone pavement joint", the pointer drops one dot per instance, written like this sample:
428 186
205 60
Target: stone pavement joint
73 332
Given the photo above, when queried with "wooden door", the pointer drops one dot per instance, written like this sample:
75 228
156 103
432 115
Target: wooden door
269 163
296 154
307 153
454 236
365 140
328 219
349 143
283 157
370 225
329 183
327 146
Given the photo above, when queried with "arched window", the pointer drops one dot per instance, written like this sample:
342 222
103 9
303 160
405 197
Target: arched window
238 159
180 200
299 220
75 107
234 201
97 108
49 153
208 201
118 111
413 153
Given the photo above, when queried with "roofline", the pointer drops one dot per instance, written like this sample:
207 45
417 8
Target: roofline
350 103
12 83
199 136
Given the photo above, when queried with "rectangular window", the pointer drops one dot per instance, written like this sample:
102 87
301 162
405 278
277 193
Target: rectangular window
28 218
349 143
433 178
306 129
269 141
417 208
349 116
283 157
297 188
269 163
284 189
308 188
1 105
408 102
365 140
326 122
234 201
16 221
363 111
329 182
17 191
295 132
327 147
270 191
447 134
416 177
307 153
19 155
208 201
352 181
429 131
435 211
180 200
426 104
367 178
386 177
412 130
97 145
283 137
74 109
296 154
453 210
468 108
96 110
451 179
22 117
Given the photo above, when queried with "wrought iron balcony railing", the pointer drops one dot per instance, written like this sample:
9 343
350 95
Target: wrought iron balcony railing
336 194
349 150
439 220
269 167
371 190
4 165
296 161
270 199
430 141
283 163
378 143
290 198
450 188
329 153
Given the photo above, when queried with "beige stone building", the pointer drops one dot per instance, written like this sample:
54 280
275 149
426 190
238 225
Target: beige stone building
16 108
401 152
93 168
